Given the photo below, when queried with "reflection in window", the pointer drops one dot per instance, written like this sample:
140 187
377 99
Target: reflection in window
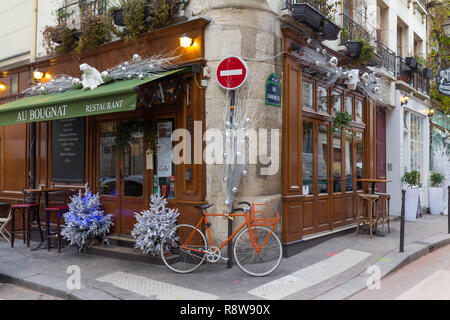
348 102
322 103
336 102
348 164
359 111
323 159
337 164
359 159
107 159
307 95
133 168
307 158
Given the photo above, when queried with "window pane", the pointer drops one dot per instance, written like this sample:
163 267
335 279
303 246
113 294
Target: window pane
323 158
307 158
307 95
359 159
322 103
336 102
349 105
133 167
107 178
337 164
348 164
359 111
14 86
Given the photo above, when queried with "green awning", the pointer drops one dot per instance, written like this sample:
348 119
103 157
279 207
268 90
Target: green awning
115 97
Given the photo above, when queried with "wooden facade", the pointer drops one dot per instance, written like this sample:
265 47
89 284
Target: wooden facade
182 112
330 200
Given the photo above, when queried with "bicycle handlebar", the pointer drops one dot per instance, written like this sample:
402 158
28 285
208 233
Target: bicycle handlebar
245 202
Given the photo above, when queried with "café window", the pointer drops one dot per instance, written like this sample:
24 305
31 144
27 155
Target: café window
337 162
359 111
348 104
348 163
335 102
307 158
323 158
307 95
359 159
322 99
164 173
416 142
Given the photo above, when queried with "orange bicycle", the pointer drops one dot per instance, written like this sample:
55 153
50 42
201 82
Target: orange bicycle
257 249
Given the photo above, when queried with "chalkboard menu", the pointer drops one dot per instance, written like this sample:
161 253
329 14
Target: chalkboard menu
68 140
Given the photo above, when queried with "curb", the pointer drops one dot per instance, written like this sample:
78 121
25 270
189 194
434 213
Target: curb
393 261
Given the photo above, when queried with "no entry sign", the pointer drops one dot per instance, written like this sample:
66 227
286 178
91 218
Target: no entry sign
231 73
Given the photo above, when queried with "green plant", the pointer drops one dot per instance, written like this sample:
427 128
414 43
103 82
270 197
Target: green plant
344 33
367 52
341 121
328 8
412 178
163 11
125 131
436 179
59 39
95 31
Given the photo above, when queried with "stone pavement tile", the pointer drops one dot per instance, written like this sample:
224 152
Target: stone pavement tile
117 292
91 294
48 284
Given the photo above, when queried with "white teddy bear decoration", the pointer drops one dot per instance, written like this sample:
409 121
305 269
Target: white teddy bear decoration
91 77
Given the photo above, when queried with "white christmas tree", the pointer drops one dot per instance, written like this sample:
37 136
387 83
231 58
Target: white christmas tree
85 221
153 224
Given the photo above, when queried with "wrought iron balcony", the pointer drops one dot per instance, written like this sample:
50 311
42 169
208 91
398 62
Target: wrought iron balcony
412 77
351 30
318 5
387 60
71 13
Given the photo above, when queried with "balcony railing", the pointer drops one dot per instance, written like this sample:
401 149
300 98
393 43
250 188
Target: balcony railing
71 13
353 31
319 5
387 60
411 77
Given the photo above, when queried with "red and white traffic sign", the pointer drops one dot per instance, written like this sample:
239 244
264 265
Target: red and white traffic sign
231 73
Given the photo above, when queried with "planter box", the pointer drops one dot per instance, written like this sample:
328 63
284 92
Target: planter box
118 17
411 202
428 73
354 48
330 31
375 61
436 196
411 62
307 15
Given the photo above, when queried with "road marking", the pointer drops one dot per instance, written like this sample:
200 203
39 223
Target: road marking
310 276
148 287
434 287
227 73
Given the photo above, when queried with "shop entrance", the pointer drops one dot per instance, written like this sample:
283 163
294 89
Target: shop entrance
121 179
381 148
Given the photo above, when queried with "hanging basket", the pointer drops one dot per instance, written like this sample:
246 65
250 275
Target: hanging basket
411 62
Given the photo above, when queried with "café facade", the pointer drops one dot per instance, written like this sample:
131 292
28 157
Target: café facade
69 138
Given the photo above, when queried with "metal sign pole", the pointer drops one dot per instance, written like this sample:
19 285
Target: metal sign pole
230 221
402 223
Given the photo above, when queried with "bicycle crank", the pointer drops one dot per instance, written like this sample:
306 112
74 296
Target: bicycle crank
213 254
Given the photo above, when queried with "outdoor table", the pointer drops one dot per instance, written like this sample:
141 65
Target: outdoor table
374 181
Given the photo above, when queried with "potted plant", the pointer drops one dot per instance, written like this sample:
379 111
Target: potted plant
307 15
341 122
436 193
367 53
95 31
354 48
428 73
411 62
412 182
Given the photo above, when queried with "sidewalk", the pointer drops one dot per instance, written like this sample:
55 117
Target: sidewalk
335 269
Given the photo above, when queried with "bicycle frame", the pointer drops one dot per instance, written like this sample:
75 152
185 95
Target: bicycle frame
246 223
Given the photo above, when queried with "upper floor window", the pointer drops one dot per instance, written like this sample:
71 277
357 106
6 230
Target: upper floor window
307 95
14 84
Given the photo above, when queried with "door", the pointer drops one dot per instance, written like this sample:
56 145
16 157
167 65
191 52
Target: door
122 181
381 148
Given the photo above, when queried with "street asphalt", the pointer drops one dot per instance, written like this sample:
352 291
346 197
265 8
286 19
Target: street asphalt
335 269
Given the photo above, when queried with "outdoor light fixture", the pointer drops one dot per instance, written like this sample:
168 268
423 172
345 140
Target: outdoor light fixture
430 112
48 76
404 100
37 75
186 41
2 86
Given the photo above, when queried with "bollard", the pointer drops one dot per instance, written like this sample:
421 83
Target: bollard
402 222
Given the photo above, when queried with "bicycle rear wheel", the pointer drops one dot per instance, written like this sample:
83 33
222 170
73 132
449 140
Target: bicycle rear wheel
255 263
187 252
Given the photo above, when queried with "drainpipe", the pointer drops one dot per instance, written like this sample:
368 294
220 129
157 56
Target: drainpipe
33 51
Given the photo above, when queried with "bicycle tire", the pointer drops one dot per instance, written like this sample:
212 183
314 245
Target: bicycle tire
262 263
176 258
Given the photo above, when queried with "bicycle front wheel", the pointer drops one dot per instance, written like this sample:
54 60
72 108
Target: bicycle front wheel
183 248
255 262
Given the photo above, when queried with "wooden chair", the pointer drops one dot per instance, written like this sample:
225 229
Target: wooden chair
366 204
57 206
385 217
26 209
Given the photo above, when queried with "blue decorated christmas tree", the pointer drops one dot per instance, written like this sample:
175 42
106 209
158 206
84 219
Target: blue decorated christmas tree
85 221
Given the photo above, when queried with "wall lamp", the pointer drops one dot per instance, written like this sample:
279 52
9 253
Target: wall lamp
430 112
186 41
39 75
404 101
2 86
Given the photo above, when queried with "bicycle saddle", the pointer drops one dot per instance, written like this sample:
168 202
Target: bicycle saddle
204 206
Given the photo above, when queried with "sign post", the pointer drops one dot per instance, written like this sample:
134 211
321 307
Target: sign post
231 74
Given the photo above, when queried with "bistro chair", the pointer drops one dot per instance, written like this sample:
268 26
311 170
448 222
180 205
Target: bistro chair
4 222
366 204
385 217
57 208
29 207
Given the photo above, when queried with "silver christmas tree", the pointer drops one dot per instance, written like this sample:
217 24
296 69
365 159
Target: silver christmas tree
153 224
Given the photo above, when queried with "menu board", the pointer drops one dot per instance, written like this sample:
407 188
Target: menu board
68 147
